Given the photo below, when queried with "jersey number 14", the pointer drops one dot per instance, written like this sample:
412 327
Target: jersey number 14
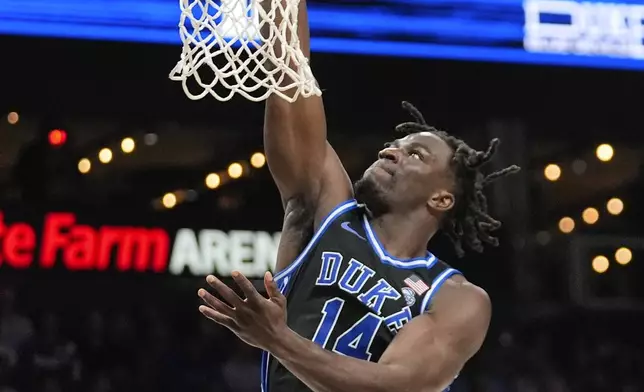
354 342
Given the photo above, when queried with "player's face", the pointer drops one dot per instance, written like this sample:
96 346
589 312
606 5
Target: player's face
409 173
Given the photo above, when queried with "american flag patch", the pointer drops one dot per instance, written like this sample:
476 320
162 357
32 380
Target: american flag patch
416 284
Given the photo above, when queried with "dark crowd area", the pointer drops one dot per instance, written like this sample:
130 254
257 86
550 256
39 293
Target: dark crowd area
145 334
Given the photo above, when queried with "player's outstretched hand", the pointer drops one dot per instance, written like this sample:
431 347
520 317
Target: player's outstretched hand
256 320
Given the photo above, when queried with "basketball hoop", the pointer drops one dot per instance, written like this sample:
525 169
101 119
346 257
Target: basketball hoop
236 47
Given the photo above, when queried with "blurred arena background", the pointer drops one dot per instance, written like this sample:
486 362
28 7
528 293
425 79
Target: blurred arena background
119 194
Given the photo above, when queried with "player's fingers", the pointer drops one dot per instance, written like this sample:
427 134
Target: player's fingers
226 292
215 303
271 287
218 317
252 296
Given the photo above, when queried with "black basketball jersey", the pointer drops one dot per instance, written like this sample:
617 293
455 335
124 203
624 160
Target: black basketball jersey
347 294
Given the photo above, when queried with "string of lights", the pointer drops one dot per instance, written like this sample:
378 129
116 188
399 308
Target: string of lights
212 181
171 199
106 155
590 215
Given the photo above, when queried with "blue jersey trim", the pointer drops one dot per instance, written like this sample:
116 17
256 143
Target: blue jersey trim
264 371
436 285
288 271
418 262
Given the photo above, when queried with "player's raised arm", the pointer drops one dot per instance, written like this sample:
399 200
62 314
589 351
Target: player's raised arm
306 169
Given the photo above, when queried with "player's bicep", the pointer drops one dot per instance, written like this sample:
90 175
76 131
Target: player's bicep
433 347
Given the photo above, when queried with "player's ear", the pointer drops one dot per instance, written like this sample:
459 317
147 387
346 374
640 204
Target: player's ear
442 201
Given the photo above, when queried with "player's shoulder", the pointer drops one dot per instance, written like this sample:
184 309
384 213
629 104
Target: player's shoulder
452 289
458 285
457 291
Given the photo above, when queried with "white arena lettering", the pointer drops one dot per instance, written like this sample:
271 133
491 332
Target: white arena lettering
214 251
584 28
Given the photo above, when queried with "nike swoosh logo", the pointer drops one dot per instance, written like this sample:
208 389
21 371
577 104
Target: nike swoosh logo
345 226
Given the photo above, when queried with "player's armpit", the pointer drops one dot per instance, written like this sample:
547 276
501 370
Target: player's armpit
434 346
335 186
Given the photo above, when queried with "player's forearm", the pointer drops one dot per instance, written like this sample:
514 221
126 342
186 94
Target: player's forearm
295 133
325 371
303 30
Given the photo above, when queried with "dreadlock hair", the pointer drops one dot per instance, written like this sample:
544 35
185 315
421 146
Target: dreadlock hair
468 223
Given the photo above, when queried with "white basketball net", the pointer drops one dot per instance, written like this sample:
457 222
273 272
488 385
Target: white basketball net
234 46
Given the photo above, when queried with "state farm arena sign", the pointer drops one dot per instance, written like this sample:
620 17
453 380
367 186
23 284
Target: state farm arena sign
63 242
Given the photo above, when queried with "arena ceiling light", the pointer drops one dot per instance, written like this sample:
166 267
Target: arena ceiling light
105 155
128 145
84 166
600 264
13 118
623 256
604 152
552 172
57 137
615 206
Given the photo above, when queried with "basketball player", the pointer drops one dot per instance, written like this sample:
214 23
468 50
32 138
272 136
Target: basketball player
358 304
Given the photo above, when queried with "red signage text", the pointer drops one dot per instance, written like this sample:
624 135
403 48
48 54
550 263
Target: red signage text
82 247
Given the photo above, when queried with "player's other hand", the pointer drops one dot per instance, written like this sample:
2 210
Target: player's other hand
256 320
